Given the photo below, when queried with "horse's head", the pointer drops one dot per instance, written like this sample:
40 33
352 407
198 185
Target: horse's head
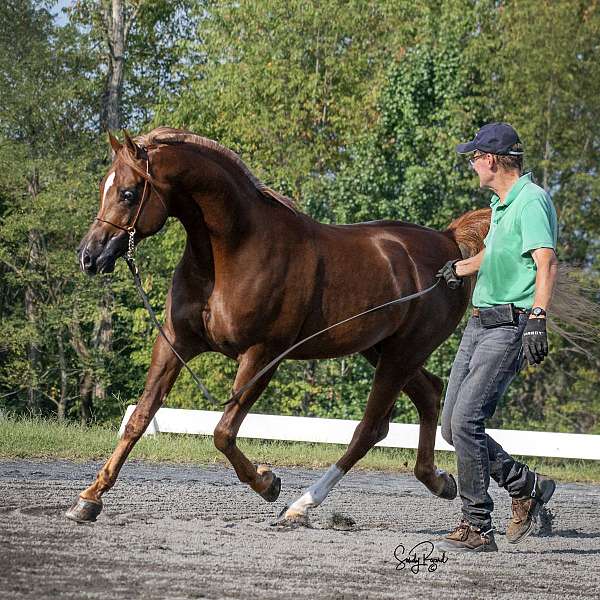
129 202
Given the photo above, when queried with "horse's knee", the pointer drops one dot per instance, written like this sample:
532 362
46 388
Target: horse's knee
224 439
369 434
136 427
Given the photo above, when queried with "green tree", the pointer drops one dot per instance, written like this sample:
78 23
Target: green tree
352 108
52 84
405 167
41 113
286 84
553 100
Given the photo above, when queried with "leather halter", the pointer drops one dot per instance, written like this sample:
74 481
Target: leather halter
130 229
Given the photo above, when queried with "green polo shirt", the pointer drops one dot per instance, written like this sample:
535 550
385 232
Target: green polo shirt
526 220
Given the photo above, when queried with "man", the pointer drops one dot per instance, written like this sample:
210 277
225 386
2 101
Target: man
516 272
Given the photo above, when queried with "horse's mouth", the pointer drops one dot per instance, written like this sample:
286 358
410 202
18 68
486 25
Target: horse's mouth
102 264
92 262
107 265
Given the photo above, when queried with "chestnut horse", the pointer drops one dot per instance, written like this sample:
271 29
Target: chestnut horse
256 276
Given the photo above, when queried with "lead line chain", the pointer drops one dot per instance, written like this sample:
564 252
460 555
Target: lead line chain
131 246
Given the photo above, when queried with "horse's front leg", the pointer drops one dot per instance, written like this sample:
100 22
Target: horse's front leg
262 480
164 368
391 375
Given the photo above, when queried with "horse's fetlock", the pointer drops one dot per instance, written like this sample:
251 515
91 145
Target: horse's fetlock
422 472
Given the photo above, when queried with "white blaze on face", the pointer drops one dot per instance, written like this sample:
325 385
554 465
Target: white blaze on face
107 185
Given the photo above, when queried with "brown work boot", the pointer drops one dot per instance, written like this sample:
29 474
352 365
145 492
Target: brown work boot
467 538
525 509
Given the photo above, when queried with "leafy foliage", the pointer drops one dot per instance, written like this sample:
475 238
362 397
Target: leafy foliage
352 108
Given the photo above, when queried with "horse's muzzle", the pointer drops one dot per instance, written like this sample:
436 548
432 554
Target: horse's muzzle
95 257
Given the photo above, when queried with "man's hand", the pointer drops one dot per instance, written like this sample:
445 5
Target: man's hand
449 274
535 341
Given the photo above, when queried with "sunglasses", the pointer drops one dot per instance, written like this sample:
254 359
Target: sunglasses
472 160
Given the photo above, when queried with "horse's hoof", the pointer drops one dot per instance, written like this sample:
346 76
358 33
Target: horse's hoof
450 489
292 521
272 492
84 511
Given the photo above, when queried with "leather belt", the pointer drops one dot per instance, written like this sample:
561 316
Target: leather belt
517 310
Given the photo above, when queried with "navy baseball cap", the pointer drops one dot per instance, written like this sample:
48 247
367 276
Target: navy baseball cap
495 138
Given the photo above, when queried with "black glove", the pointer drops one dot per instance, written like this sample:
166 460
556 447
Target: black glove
449 274
535 341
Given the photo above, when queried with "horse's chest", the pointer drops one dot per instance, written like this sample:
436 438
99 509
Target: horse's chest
229 326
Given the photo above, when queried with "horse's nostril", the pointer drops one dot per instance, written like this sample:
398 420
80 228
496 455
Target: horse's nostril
86 259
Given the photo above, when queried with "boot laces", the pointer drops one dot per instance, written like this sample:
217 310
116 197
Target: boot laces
461 528
464 524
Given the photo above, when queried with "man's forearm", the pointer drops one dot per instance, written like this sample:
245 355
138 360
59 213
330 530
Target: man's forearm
545 280
469 266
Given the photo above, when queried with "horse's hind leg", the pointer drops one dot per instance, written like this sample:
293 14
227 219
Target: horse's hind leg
391 375
164 368
425 390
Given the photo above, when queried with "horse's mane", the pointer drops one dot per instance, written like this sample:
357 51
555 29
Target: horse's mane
172 136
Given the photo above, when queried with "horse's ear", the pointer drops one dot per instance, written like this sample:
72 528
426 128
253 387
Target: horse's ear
131 145
115 144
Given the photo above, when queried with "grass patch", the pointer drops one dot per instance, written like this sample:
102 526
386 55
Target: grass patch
45 439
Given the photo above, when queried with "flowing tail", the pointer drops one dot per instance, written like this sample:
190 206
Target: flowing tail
572 313
469 231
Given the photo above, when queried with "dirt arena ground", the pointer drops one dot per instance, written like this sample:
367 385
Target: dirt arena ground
172 531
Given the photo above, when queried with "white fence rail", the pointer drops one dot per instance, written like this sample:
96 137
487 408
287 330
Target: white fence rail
339 431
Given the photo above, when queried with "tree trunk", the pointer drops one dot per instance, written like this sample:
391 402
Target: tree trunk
114 24
103 335
547 147
33 352
61 409
116 30
86 378
85 389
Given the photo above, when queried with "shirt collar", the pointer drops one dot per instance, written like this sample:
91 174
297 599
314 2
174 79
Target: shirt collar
513 192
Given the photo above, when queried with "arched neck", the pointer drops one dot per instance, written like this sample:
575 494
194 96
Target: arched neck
223 195
215 202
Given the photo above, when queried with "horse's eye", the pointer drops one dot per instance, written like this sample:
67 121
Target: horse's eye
128 195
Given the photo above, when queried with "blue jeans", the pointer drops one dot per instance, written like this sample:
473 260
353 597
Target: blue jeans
486 362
